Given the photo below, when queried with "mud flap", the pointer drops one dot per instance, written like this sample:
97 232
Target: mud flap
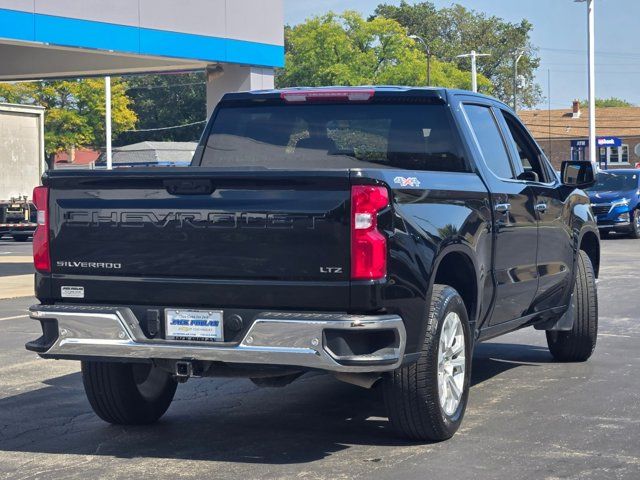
563 324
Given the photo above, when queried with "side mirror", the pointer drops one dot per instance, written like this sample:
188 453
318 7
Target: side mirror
578 174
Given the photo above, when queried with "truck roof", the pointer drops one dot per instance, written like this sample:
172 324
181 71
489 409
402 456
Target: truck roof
390 90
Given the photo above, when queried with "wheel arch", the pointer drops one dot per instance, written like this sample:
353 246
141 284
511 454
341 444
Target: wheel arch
590 244
455 266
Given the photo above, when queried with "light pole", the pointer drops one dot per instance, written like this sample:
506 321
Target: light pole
516 58
107 118
592 79
428 51
474 69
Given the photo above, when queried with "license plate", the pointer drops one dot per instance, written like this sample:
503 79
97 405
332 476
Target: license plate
194 325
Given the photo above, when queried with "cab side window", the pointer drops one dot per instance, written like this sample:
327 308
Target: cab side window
486 130
528 154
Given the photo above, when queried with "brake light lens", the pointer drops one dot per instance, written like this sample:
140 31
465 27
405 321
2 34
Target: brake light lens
41 256
328 95
368 244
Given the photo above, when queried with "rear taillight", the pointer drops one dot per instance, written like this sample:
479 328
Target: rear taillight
368 244
41 257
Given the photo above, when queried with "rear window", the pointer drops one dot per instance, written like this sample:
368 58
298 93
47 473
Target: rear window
415 137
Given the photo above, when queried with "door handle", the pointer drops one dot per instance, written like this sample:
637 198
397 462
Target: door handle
502 207
541 207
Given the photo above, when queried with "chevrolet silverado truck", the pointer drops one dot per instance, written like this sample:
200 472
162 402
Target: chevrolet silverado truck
374 233
615 201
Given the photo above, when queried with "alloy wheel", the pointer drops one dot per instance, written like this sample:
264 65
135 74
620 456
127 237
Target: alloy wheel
451 363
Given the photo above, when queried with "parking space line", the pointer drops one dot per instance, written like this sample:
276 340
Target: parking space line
13 318
17 259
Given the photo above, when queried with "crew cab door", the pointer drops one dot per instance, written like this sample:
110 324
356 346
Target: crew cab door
555 245
514 218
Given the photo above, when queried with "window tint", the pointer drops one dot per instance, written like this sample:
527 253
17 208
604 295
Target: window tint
406 136
490 141
528 153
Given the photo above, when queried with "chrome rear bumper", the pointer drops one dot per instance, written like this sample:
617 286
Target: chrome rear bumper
291 339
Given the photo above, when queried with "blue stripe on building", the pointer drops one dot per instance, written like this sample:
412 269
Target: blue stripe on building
73 32
16 25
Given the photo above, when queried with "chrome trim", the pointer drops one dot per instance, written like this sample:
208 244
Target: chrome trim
294 340
614 225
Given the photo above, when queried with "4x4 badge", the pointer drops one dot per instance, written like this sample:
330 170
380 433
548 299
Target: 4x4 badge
407 181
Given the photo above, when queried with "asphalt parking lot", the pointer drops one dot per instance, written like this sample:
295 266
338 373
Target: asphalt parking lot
528 417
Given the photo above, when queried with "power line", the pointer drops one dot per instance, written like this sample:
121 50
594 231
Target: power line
603 125
599 64
153 87
166 128
600 72
599 52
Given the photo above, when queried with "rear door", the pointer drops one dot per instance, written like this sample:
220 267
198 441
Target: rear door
515 223
555 245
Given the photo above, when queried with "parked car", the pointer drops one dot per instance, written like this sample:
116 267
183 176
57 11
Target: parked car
615 200
374 233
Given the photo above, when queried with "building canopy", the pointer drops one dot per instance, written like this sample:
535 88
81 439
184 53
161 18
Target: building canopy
70 38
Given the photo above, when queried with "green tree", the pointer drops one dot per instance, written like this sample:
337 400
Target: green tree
346 49
457 30
75 110
167 100
607 103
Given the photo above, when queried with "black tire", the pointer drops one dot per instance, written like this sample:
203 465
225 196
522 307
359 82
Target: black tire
635 224
577 344
20 238
126 393
412 392
605 234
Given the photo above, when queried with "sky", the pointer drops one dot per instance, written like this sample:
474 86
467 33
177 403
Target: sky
560 33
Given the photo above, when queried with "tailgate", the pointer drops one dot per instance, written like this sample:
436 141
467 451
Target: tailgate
199 223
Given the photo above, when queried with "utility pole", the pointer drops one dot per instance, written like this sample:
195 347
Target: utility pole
428 51
549 106
516 58
474 70
107 120
593 148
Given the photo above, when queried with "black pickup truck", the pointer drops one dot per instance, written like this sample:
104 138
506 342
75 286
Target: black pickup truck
374 233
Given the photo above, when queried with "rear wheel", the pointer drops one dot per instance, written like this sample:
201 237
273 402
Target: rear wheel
635 223
577 344
128 393
426 400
